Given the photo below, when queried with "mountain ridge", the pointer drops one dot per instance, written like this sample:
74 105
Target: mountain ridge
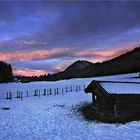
126 63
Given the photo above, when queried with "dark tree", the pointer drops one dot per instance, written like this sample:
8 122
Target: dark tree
6 74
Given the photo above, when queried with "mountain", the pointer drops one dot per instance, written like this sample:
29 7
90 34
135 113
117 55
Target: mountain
6 74
78 65
125 63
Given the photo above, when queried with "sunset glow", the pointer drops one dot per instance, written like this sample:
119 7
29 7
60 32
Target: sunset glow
30 72
46 37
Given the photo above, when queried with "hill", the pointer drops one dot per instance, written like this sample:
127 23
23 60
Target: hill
78 65
125 63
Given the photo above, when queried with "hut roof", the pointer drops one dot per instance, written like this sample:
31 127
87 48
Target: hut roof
113 87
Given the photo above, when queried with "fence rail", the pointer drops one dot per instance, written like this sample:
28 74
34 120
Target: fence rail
21 94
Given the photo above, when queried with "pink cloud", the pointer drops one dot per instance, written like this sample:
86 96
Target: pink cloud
93 56
99 56
29 72
60 67
26 55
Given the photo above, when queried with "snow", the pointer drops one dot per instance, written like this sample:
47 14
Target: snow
30 87
54 117
121 88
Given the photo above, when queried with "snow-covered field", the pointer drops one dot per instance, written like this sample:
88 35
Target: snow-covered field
53 117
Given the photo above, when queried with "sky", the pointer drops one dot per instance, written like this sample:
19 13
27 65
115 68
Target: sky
40 37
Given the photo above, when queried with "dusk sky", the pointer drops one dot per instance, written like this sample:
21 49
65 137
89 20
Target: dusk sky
41 37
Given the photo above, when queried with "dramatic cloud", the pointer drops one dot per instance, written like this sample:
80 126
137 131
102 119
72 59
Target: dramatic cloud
40 37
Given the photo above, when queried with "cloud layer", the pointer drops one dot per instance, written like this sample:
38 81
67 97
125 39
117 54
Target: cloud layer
41 37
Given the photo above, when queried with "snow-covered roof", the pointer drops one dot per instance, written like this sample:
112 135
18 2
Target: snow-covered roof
121 87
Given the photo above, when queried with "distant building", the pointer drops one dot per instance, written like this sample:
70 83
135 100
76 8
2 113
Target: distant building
115 101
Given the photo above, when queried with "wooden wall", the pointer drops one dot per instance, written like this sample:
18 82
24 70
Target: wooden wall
126 104
116 104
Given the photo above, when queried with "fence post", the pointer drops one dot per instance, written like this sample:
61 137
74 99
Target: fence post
27 93
35 92
66 89
50 91
44 92
21 95
71 88
76 88
39 93
57 91
62 91
18 94
10 93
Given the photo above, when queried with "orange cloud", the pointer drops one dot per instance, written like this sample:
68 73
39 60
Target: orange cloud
29 72
26 55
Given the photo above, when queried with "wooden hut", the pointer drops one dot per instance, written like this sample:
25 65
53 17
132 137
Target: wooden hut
115 101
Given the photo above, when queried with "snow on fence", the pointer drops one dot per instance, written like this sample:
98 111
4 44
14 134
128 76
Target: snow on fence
43 92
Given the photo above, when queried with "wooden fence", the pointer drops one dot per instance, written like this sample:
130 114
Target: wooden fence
44 92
